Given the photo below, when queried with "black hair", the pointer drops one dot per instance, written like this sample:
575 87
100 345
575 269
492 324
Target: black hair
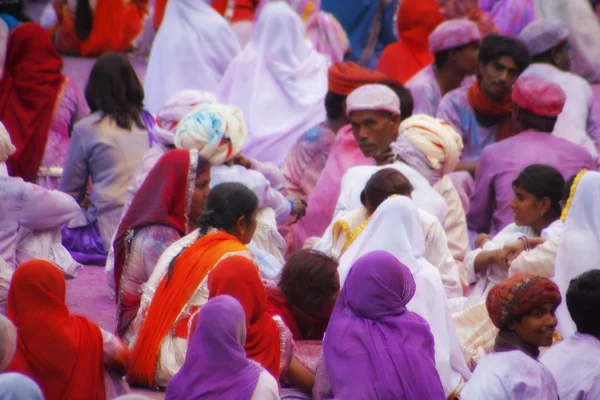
383 184
16 9
334 105
114 89
547 55
84 18
225 204
495 46
406 100
530 120
583 302
542 181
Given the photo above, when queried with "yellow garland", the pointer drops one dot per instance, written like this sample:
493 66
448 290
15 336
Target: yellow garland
354 234
567 207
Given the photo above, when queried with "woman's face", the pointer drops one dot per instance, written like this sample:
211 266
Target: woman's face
201 189
528 210
537 328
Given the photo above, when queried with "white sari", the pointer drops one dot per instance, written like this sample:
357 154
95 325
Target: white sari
395 228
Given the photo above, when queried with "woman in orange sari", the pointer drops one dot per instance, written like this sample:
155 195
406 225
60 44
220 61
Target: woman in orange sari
178 286
417 19
91 28
65 354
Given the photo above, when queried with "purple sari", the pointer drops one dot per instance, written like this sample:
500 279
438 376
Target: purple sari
374 347
215 365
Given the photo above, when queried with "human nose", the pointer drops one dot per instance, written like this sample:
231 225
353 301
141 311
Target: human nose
513 204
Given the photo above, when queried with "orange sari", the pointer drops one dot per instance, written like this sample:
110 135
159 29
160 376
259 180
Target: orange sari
116 24
171 297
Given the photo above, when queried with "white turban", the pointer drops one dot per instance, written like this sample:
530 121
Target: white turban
176 108
439 144
6 147
8 342
217 131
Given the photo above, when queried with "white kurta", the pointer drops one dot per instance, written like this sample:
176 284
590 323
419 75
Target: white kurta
510 375
575 364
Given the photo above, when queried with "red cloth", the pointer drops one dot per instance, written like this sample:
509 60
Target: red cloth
63 353
483 104
417 19
29 92
539 96
237 276
161 200
345 77
277 304
243 10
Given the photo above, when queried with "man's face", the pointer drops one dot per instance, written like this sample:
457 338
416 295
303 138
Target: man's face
466 59
498 77
374 130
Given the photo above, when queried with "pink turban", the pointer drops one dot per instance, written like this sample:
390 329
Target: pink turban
452 34
539 96
543 35
373 98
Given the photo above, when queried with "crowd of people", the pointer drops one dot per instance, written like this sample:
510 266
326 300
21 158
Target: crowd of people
302 199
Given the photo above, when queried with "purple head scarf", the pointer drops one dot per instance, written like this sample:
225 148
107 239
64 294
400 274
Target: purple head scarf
374 347
215 365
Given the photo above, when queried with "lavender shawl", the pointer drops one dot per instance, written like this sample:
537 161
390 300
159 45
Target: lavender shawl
374 347
216 366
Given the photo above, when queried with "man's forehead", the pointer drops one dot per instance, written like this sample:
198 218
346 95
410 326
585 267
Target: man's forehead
360 116
507 62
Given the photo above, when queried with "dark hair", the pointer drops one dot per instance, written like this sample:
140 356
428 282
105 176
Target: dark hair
16 9
530 120
406 100
495 46
547 55
583 302
542 181
308 279
114 89
84 18
334 105
225 204
383 184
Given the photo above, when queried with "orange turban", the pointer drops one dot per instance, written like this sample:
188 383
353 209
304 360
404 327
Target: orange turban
518 296
344 77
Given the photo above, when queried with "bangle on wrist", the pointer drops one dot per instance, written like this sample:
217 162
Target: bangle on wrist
525 241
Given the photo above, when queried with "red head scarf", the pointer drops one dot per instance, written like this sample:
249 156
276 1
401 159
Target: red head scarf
29 92
238 277
417 19
163 199
61 352
345 77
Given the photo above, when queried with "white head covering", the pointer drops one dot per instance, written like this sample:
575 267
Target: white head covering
7 149
429 145
279 81
191 50
8 342
217 131
579 246
176 108
373 97
543 35
394 227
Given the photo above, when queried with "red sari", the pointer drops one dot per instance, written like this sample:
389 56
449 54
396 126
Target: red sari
232 10
29 94
238 277
63 353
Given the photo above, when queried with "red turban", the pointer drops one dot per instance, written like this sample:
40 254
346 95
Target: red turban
539 96
518 296
344 77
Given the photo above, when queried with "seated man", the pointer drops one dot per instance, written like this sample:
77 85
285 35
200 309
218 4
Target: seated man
575 362
482 112
455 46
538 103
547 42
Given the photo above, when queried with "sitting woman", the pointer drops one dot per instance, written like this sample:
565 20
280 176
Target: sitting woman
216 366
67 355
536 206
268 341
178 286
363 357
91 28
523 308
308 287
39 106
106 147
164 210
384 184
